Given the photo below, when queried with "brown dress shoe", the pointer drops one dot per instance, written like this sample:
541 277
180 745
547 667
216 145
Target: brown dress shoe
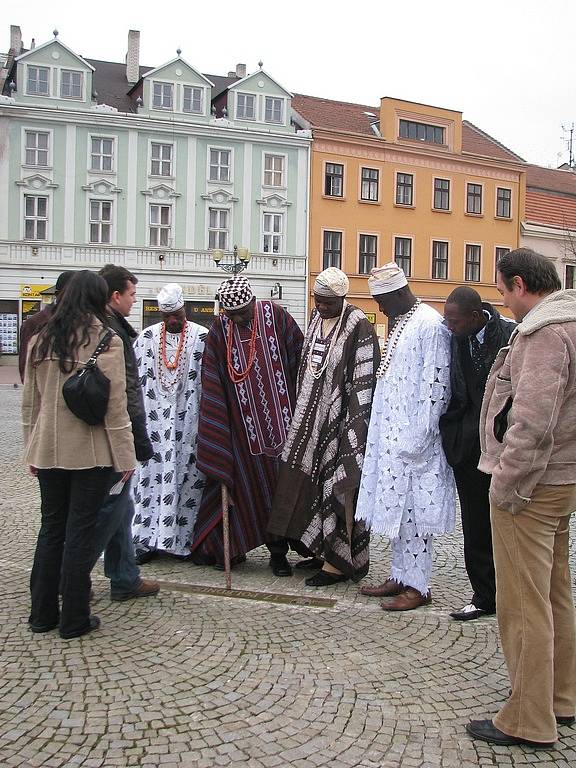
146 588
388 589
407 601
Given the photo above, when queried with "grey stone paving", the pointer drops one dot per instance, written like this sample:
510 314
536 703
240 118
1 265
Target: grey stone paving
195 680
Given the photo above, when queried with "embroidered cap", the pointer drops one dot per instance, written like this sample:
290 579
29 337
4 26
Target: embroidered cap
170 298
235 293
386 279
332 282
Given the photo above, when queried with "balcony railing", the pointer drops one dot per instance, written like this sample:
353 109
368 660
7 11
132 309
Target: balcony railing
141 259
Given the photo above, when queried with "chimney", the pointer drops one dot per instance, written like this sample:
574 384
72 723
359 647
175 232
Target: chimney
33 44
15 39
240 70
133 57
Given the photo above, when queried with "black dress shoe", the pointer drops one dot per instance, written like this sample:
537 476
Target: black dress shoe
93 623
325 579
142 556
280 565
40 628
470 612
485 730
568 720
233 562
312 562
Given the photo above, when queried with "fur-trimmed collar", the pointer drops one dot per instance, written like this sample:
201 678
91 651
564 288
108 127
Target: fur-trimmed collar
557 307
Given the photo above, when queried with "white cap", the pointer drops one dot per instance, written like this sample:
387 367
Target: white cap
170 298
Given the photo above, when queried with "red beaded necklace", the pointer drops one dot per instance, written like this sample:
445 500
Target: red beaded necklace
239 376
167 363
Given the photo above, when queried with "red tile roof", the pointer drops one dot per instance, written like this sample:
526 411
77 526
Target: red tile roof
550 210
552 179
344 116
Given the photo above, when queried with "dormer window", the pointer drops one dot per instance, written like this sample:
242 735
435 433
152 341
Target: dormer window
162 95
246 106
410 129
70 84
273 112
192 100
37 82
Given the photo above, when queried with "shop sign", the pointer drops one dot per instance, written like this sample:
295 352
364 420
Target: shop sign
29 291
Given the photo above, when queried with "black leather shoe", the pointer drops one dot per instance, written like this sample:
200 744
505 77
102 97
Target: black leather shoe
485 730
280 565
568 720
325 579
143 556
40 628
93 623
238 560
470 612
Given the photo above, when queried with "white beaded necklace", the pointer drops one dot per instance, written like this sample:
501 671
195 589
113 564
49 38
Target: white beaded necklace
394 337
317 372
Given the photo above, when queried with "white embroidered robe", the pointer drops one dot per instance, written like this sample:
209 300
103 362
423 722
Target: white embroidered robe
404 464
168 487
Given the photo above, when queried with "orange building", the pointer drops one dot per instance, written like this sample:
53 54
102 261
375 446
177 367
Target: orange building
413 183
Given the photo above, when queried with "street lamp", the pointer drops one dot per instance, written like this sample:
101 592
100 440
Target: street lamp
242 258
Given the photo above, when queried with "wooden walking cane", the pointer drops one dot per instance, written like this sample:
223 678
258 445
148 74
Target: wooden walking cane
226 535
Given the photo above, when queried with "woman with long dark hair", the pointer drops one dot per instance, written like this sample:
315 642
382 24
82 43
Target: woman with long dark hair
72 460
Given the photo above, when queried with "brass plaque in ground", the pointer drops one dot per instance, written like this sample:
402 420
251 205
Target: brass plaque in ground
248 594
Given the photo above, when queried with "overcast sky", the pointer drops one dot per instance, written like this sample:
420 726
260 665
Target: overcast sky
508 65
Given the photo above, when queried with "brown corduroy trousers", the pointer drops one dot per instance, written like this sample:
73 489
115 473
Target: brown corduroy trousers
535 612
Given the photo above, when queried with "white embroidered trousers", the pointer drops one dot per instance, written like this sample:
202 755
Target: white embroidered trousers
412 556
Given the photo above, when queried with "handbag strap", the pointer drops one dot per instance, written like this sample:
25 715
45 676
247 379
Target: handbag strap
104 344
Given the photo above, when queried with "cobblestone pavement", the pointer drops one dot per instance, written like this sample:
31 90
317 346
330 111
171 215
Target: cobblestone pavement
199 680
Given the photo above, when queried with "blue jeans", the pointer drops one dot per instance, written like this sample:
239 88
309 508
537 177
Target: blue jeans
114 537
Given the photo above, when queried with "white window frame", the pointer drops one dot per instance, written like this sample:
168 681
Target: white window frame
413 187
100 222
218 229
172 159
25 131
362 234
473 245
410 238
376 181
283 171
193 88
101 137
60 83
254 98
448 254
37 66
475 184
159 227
282 103
164 84
270 235
332 230
214 148
508 189
35 217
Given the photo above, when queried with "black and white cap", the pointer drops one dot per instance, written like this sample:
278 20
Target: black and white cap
235 293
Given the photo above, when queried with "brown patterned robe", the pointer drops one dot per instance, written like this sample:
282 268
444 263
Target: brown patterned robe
323 455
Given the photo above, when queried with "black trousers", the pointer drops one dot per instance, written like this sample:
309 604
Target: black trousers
70 500
473 487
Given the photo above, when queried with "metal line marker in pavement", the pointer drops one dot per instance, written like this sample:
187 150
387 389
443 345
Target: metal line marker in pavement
248 594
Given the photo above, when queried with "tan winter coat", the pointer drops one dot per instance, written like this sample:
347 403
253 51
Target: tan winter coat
54 437
538 371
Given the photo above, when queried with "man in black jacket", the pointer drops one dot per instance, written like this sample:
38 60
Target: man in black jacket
478 332
114 527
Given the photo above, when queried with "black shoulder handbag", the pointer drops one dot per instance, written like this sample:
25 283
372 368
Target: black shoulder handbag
87 391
